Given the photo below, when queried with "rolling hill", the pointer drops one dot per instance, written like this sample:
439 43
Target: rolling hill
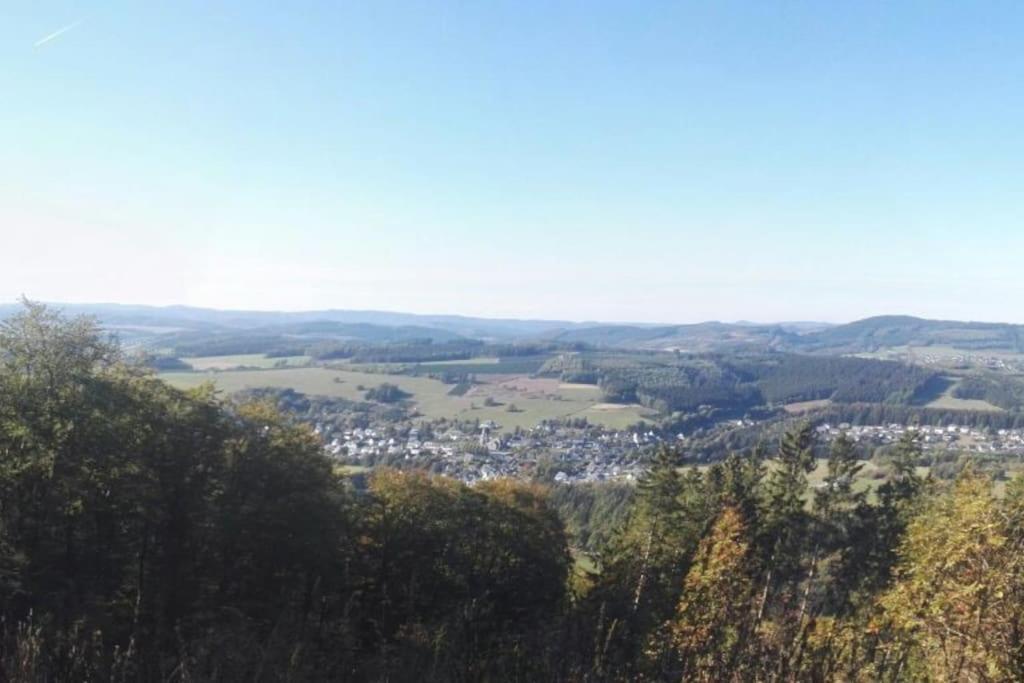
868 335
149 324
881 332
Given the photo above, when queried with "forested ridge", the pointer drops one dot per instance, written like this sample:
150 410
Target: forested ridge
740 381
149 534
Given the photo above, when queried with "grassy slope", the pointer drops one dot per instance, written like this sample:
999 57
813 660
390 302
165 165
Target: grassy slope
430 396
949 401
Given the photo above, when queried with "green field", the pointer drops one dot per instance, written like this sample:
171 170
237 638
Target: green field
535 400
250 360
950 402
801 407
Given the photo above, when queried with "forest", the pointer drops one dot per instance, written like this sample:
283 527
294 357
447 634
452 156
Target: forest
1005 392
740 381
355 343
151 534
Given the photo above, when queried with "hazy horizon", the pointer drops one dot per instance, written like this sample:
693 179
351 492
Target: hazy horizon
571 162
458 314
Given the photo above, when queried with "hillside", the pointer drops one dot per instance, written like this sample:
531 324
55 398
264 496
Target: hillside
697 337
880 332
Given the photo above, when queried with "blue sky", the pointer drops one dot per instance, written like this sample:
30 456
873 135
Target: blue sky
589 160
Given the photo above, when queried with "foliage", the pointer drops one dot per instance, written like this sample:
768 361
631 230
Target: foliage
717 591
593 513
955 610
386 393
151 534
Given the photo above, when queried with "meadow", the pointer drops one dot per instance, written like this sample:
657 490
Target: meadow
512 365
950 402
510 401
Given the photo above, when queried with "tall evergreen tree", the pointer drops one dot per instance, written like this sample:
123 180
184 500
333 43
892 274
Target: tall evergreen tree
785 549
897 500
841 513
783 508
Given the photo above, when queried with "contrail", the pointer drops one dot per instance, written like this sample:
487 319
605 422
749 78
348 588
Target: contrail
55 34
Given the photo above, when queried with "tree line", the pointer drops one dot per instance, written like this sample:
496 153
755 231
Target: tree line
1001 391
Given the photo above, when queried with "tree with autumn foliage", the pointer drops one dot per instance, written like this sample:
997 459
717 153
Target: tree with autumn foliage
708 630
954 610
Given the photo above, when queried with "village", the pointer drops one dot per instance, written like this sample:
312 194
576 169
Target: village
574 453
948 437
587 453
1004 363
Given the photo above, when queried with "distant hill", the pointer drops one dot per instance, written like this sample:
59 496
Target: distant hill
882 332
698 337
151 324
871 334
368 325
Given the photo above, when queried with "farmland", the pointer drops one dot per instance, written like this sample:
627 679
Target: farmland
612 389
510 401
801 407
514 365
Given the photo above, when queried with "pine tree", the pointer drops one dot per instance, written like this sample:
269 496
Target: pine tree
738 482
658 524
784 544
904 481
897 500
647 560
836 498
783 510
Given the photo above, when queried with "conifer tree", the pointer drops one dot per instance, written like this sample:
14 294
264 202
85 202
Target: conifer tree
783 510
785 541
840 513
897 500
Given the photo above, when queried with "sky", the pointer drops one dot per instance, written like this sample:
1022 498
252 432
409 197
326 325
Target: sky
669 162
